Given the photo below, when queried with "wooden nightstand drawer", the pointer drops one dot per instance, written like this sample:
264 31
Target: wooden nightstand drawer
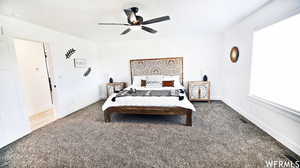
115 87
199 91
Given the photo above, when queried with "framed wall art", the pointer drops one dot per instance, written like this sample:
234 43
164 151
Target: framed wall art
80 63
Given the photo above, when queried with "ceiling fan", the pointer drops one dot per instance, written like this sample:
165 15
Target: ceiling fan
137 22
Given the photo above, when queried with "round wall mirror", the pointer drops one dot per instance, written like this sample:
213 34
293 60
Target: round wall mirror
234 54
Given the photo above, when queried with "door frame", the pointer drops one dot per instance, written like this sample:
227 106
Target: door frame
51 75
49 68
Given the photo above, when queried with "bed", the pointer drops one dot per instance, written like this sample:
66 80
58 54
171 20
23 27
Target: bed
152 99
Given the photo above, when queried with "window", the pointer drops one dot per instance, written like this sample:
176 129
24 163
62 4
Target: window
275 74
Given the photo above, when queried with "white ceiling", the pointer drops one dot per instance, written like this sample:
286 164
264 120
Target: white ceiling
80 17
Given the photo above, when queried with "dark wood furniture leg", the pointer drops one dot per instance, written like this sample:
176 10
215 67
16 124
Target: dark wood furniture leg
189 118
107 117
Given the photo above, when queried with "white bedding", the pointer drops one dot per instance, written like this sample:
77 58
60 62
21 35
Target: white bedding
150 101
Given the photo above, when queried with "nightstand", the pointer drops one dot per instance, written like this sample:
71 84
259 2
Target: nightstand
114 87
199 91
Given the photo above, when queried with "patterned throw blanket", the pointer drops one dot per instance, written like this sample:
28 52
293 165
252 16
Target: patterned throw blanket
150 93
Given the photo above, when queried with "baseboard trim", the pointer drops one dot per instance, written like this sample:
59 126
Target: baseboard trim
62 115
275 134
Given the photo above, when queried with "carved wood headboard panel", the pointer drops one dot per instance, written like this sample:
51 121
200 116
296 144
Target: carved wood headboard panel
157 66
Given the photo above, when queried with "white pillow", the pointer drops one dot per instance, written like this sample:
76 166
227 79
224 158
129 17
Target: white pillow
175 78
154 78
154 81
153 85
137 80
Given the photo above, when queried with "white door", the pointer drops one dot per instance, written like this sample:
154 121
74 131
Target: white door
13 121
34 74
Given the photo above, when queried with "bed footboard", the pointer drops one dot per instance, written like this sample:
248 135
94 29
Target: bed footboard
149 111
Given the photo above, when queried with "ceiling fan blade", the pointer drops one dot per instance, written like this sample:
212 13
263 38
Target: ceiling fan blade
125 31
128 12
118 24
148 29
155 20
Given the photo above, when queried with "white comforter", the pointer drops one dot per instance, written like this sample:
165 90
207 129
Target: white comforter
149 101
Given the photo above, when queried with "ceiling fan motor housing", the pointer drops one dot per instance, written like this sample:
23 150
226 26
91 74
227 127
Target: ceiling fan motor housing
135 9
139 19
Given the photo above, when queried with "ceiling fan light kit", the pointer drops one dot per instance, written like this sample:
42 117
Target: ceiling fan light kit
136 22
136 28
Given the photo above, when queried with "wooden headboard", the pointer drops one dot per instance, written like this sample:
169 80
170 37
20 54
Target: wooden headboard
157 66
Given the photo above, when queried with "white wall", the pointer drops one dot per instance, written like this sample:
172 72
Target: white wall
73 90
11 111
282 125
202 54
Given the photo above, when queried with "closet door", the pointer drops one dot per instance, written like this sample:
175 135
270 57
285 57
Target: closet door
13 121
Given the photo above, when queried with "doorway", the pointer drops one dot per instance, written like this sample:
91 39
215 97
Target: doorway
36 82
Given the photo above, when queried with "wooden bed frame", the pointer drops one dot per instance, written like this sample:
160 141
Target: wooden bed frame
161 66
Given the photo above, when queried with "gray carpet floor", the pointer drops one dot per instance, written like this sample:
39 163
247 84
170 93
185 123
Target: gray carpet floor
220 137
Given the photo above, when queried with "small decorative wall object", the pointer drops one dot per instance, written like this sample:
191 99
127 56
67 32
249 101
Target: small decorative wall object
87 72
79 63
234 54
205 78
111 80
70 52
